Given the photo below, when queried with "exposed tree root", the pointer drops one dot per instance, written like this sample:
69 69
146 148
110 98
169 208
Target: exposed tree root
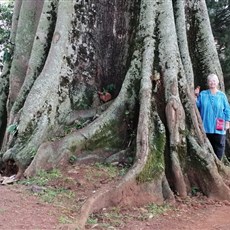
34 128
35 65
204 162
104 126
126 192
86 114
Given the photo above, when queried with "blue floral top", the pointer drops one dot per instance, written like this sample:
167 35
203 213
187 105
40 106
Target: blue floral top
212 106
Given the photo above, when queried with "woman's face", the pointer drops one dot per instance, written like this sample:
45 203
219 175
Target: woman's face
212 83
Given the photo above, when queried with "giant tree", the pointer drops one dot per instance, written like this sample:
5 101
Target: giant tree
68 53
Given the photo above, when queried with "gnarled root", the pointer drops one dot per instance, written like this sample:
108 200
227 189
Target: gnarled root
126 192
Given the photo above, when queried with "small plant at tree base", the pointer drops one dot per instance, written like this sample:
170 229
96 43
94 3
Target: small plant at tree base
112 171
12 129
195 190
155 210
92 220
40 187
49 195
65 220
109 88
106 94
72 159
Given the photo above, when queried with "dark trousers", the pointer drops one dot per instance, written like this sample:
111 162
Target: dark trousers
218 143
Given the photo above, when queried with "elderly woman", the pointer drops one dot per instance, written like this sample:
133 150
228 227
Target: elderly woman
215 113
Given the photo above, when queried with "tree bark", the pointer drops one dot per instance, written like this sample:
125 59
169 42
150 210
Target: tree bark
4 80
26 28
202 46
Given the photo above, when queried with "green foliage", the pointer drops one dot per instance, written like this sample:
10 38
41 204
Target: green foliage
113 218
109 136
112 171
72 159
156 210
109 88
12 129
83 104
104 169
65 220
92 220
33 153
123 171
48 193
155 162
195 190
6 13
8 50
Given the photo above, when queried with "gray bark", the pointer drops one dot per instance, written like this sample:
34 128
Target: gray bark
4 80
181 29
26 29
202 45
36 63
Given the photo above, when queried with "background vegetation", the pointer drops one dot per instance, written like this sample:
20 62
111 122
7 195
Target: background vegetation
219 12
6 13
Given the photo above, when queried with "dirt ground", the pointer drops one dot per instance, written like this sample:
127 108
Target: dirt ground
51 201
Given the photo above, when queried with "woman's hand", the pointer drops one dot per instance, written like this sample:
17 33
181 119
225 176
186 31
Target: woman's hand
227 125
197 91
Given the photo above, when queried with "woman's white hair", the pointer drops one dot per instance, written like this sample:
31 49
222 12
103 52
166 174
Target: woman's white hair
213 77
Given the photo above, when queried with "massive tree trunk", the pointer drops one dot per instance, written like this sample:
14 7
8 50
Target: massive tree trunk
150 53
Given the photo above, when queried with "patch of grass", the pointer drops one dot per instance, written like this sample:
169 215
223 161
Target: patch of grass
51 195
65 220
42 178
111 218
111 170
155 210
113 214
123 171
92 220
115 217
99 170
48 193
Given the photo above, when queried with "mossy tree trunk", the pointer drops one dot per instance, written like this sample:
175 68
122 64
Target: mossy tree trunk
150 53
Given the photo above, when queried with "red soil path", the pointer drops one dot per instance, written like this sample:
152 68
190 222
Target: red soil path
20 209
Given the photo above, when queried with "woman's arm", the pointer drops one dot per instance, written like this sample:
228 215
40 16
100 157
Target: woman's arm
227 113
